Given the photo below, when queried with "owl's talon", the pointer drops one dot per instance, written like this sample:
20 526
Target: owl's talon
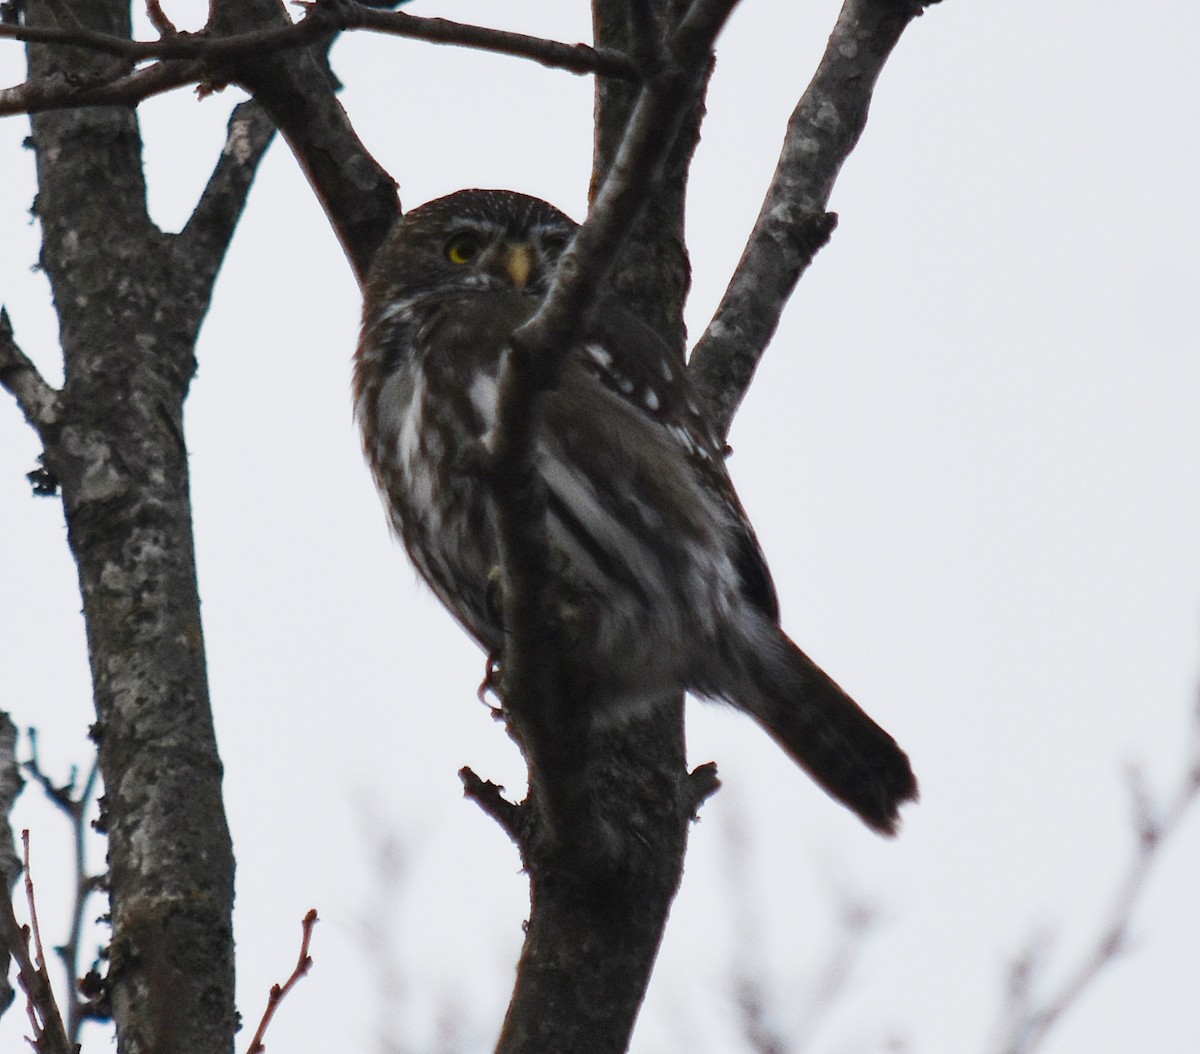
491 684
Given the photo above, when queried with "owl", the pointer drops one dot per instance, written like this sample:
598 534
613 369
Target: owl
657 584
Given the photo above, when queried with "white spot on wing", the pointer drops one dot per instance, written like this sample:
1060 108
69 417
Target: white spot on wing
573 489
599 355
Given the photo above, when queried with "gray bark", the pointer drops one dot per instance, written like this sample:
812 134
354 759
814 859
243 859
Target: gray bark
130 301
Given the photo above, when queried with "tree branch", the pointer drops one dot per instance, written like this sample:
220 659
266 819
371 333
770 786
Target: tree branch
128 344
279 992
574 58
270 62
703 783
205 239
323 17
660 109
295 88
793 225
191 57
548 726
117 88
618 805
39 401
1029 1020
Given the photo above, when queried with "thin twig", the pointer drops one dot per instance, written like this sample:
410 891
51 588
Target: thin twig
769 1024
38 951
303 965
1030 1020
573 58
117 89
76 805
322 18
49 1033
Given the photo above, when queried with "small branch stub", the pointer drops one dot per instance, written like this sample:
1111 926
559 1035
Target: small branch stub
39 401
490 798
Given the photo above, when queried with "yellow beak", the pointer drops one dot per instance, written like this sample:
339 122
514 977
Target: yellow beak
518 264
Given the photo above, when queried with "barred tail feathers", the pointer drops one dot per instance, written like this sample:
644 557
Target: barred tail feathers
826 733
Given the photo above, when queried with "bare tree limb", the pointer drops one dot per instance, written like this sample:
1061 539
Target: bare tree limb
322 18
192 57
793 225
271 63
548 727
295 88
574 58
205 239
1030 1018
39 401
118 87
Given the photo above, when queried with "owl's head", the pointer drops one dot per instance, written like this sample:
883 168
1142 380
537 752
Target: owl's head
470 240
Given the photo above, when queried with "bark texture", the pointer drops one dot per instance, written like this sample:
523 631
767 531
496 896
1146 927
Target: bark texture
793 226
598 911
130 301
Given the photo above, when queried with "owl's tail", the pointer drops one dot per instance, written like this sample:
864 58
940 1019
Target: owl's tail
826 732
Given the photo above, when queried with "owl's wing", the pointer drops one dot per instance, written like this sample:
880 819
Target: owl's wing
643 428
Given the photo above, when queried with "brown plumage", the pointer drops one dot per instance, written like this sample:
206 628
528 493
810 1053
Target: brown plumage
658 583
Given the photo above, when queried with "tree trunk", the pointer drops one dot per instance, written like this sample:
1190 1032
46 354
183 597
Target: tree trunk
130 300
593 934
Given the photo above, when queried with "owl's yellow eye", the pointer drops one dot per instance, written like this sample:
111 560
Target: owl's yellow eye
463 248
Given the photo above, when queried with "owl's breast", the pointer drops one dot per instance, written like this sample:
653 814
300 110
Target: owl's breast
423 415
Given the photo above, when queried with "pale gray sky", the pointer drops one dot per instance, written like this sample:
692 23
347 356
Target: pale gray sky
971 456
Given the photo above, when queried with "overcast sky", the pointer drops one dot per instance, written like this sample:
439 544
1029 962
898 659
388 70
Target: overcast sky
971 456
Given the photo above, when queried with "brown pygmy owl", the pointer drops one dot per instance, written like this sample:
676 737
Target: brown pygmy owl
657 581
